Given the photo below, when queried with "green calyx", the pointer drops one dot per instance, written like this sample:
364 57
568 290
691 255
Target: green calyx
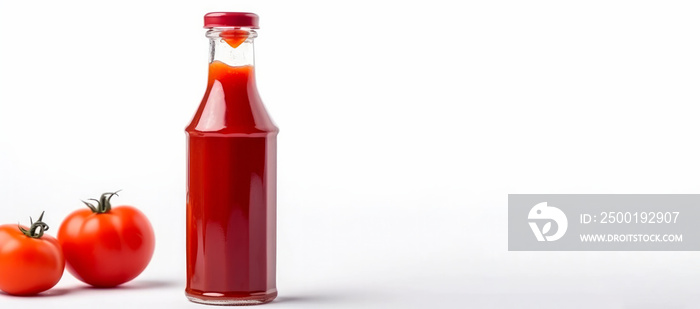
37 229
103 204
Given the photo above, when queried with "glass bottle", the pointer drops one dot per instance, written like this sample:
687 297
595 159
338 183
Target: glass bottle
231 182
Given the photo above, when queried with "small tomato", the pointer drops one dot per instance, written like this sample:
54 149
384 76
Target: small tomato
30 261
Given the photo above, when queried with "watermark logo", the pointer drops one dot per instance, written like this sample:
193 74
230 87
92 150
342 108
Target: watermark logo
603 222
541 212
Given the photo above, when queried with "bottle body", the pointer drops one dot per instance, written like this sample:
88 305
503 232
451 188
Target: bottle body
231 197
231 219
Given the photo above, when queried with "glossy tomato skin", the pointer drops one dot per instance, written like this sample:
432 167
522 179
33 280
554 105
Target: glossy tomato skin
107 249
28 265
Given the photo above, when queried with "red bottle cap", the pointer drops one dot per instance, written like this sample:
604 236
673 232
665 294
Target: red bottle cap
231 19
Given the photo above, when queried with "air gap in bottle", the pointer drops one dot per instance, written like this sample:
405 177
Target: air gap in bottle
231 180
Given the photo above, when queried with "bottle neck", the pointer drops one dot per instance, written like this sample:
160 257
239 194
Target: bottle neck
232 46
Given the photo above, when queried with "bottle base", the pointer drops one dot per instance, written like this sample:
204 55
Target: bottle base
222 299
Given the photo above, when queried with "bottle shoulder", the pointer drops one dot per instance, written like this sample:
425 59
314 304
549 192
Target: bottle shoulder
234 124
232 113
231 104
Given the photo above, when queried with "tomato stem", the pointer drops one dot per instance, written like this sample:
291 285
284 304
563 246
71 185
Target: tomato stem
38 225
103 204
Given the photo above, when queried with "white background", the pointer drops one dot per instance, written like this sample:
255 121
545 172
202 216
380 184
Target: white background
404 125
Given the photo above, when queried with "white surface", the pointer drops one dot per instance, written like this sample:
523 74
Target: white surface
403 128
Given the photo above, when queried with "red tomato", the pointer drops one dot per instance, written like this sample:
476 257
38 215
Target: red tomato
30 261
106 246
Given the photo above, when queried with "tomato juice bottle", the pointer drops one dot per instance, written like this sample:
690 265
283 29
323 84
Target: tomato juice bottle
231 180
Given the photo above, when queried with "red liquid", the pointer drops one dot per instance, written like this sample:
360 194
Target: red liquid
231 197
235 37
